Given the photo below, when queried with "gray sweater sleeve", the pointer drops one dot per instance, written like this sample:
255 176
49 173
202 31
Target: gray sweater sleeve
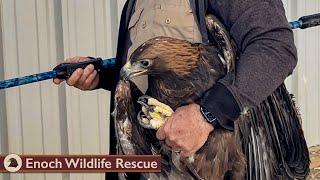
265 41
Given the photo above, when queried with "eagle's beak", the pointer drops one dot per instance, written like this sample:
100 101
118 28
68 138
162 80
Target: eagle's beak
129 71
125 71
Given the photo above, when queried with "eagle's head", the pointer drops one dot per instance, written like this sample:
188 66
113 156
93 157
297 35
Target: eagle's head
161 56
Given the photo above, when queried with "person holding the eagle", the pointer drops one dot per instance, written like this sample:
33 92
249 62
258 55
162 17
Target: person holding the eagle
266 56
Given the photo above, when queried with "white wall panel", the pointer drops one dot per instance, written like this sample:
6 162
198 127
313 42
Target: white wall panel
3 122
90 29
42 118
10 70
307 72
33 111
304 83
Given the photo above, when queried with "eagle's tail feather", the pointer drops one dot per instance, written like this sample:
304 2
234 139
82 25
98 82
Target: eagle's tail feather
225 157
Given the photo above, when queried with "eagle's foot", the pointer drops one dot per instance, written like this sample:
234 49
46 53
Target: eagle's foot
153 113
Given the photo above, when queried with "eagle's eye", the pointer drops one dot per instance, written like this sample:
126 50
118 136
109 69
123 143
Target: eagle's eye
145 63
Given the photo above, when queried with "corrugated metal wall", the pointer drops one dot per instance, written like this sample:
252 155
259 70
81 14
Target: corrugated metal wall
42 118
305 81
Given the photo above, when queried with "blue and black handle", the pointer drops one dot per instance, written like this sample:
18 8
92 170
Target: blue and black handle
62 71
65 70
306 22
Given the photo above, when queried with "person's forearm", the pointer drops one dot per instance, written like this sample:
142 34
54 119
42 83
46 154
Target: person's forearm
221 103
262 68
267 56
267 51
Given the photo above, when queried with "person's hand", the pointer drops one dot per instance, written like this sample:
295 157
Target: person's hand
186 131
84 79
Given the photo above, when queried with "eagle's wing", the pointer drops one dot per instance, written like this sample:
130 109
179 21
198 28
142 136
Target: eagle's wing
130 136
273 141
223 41
271 134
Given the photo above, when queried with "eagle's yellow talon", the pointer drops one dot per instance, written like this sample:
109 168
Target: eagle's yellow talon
144 110
155 112
146 121
157 123
155 115
163 111
155 102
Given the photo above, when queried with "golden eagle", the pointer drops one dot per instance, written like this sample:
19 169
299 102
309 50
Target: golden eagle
267 143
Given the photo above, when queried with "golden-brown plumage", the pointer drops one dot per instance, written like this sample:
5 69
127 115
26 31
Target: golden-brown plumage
268 141
180 73
166 49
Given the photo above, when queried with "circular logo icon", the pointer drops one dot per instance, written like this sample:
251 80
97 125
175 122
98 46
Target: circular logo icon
12 163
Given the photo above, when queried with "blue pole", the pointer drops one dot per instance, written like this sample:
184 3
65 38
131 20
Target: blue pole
295 24
27 79
62 71
306 22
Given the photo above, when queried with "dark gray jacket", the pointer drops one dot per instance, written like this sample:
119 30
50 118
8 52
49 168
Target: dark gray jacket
266 46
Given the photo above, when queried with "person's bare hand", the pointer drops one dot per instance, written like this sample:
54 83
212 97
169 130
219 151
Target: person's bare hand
186 130
84 79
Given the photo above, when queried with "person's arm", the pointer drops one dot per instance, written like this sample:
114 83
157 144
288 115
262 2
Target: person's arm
109 78
267 56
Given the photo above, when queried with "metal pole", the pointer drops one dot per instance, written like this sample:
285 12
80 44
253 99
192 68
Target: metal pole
306 22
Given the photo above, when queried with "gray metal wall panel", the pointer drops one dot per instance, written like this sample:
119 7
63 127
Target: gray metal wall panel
304 83
43 118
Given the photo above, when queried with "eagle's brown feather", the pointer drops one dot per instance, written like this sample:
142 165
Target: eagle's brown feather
268 141
182 71
180 74
157 48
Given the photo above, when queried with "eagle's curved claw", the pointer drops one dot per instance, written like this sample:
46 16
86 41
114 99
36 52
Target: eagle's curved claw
154 113
154 105
144 121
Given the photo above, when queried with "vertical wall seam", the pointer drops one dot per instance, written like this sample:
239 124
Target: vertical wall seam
293 15
40 87
18 69
68 103
114 32
96 52
62 89
303 74
318 81
105 30
3 109
59 50
76 51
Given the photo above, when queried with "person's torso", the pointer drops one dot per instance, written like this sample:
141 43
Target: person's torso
170 18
